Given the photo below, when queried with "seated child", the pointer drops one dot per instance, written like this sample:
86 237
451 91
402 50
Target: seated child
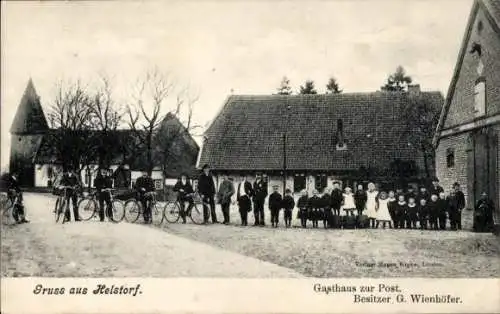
275 204
303 205
412 215
288 205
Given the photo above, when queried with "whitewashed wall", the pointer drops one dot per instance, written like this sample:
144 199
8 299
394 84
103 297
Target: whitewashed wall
42 174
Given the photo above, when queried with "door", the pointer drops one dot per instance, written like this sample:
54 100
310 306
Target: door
482 168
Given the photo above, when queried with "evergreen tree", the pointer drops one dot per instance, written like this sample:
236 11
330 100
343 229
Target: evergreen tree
308 88
333 87
285 88
398 81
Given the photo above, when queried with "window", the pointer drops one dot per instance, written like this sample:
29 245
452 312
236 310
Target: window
479 27
340 139
158 184
480 98
450 158
299 182
320 182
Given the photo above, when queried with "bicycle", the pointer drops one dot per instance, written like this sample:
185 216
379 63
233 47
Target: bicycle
134 209
7 204
88 207
172 211
62 205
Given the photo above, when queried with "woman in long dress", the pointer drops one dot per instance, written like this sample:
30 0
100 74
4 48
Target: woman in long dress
383 214
371 204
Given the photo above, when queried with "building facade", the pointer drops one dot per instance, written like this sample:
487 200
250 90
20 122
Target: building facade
34 158
310 141
467 135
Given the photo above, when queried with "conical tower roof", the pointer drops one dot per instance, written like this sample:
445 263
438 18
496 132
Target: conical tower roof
29 118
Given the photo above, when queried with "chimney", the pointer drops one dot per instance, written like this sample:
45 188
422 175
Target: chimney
414 90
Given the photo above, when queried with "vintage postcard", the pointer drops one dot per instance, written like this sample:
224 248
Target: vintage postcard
250 156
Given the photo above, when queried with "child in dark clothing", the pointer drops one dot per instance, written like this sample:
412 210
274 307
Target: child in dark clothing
288 205
423 212
327 211
400 212
412 215
392 204
303 205
433 212
360 198
424 194
336 199
275 204
316 205
442 210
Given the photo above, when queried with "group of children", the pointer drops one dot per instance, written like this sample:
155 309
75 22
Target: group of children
410 209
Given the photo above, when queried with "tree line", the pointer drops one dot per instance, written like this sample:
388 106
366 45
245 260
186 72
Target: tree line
397 81
86 122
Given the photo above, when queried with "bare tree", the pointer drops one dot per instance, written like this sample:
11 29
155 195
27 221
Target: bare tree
70 119
147 111
106 117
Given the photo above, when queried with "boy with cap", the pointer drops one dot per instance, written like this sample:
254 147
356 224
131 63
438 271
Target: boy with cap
288 205
275 204
244 196
303 205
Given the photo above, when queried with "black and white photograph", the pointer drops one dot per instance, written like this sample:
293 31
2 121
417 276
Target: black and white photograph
250 139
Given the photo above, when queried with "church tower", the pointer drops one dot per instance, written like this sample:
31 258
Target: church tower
27 131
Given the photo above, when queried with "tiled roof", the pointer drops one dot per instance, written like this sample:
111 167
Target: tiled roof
29 118
493 7
248 132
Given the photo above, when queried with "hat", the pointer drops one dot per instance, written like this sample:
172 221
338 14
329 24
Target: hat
205 166
435 179
456 184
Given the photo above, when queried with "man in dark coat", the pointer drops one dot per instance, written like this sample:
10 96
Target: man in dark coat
456 202
226 191
259 197
483 214
206 188
103 184
244 196
144 186
71 184
184 191
13 191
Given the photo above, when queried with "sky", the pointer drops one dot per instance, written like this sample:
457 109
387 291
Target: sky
218 48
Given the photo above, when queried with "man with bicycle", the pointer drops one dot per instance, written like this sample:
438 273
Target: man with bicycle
70 184
185 192
145 186
14 193
103 184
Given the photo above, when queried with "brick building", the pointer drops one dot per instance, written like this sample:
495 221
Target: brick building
316 139
469 126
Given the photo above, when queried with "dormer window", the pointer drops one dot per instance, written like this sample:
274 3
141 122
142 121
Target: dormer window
341 143
480 98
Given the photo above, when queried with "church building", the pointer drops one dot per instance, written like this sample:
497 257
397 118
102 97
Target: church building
33 158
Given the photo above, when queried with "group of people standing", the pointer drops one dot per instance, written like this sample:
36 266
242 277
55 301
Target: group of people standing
427 207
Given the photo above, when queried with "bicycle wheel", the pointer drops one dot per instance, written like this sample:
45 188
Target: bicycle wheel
60 209
196 215
132 210
172 212
118 211
87 208
157 214
7 207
